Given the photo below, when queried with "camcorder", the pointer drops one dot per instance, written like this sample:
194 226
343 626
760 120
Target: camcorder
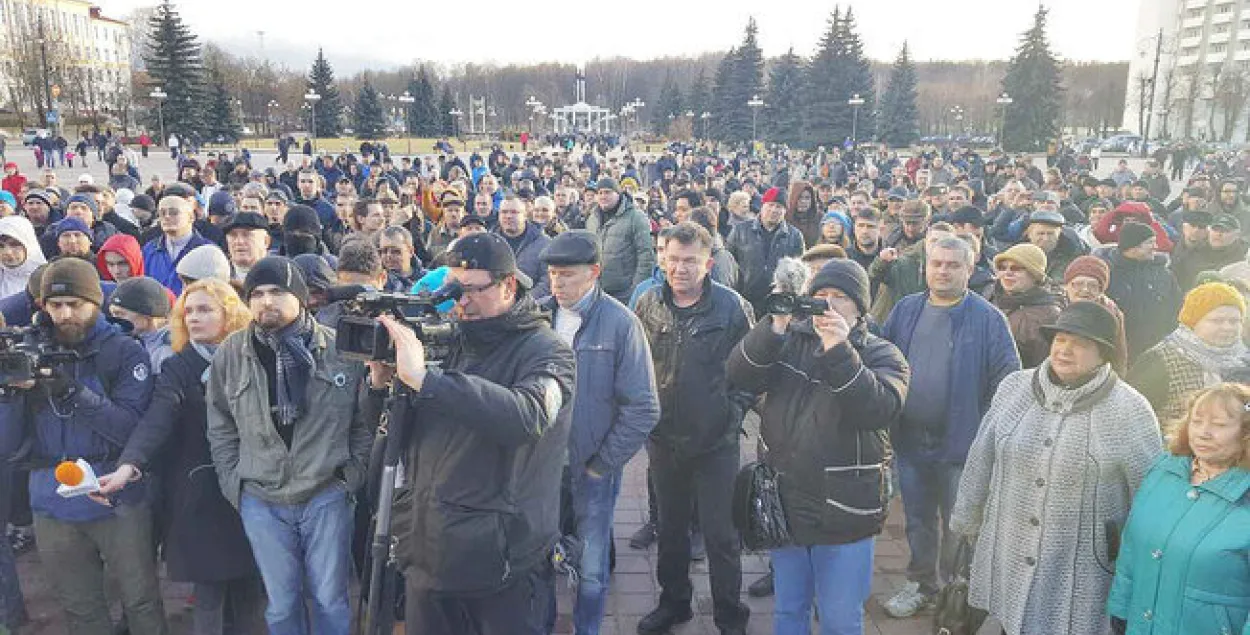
800 306
29 353
359 336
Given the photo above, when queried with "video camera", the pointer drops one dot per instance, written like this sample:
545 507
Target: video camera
28 353
800 306
360 337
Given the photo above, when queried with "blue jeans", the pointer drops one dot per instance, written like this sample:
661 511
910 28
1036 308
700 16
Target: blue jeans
594 501
929 490
303 550
839 577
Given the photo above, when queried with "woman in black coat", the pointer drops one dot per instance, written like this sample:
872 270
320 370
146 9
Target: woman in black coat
204 541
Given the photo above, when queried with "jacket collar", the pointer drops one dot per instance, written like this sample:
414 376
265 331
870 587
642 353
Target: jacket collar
1232 485
702 306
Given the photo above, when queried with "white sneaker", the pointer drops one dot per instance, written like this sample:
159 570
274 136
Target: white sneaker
908 601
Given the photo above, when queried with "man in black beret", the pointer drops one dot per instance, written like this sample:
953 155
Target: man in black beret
616 409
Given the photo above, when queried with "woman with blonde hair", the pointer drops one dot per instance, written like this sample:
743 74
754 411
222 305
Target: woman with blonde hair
1184 560
204 542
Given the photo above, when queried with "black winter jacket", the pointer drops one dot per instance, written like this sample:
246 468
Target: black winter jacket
824 425
488 444
757 255
1149 297
700 411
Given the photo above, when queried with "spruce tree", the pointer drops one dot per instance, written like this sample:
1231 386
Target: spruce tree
747 82
369 114
825 72
784 111
859 81
447 123
221 122
719 101
899 126
699 96
330 106
1034 80
668 104
422 114
175 66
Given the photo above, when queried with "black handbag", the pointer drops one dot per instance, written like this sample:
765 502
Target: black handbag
758 511
953 615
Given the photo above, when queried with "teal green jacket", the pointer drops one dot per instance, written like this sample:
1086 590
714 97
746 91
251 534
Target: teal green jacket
1184 564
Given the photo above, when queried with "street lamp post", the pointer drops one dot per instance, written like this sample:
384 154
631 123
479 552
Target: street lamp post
755 103
407 100
637 104
1004 101
855 102
456 113
160 96
705 117
958 111
312 98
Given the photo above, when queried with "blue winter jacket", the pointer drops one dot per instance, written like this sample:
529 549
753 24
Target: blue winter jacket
1184 561
159 264
617 404
115 383
983 354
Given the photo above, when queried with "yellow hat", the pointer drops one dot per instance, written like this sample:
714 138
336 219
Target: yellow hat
1208 297
1027 255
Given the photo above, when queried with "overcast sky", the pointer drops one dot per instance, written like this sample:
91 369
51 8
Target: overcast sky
380 34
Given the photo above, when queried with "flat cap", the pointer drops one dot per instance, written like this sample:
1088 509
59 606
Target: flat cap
574 247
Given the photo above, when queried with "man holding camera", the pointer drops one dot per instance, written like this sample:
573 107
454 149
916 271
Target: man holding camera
289 425
692 325
616 405
477 524
86 410
832 390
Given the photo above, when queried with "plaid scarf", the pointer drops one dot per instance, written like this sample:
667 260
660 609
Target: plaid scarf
294 363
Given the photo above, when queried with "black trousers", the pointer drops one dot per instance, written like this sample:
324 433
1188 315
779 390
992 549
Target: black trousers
520 609
679 480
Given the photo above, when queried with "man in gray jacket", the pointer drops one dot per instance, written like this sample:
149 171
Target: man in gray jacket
625 238
289 424
616 406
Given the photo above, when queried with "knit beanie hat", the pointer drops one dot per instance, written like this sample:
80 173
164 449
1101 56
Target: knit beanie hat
142 295
1091 267
846 276
1208 297
73 224
89 201
72 277
279 271
205 261
317 272
1027 255
1134 234
301 218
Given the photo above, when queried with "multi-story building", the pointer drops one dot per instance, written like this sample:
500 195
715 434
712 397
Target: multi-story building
83 56
1202 88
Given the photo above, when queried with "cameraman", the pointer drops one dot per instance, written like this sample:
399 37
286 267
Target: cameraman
489 436
86 409
832 390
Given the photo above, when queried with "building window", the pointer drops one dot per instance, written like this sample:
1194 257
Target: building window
1222 28
1224 8
1218 48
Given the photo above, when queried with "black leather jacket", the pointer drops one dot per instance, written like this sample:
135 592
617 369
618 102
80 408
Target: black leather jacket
700 410
757 257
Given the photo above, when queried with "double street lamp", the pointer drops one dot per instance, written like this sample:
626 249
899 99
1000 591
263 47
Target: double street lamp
312 98
160 96
855 102
755 103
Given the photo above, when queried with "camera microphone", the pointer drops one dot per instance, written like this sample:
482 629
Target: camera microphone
346 292
790 276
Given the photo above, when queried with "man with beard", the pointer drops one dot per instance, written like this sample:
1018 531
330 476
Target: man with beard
86 410
73 240
289 424
178 237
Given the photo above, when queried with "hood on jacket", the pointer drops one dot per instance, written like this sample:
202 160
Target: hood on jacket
128 247
809 223
13 280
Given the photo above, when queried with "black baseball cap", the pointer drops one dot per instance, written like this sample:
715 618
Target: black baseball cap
489 252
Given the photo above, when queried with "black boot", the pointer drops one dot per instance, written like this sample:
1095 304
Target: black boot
763 587
644 537
663 619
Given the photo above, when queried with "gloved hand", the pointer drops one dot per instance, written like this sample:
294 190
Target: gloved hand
61 385
1118 626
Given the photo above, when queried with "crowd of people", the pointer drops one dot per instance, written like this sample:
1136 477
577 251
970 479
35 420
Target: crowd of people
1045 364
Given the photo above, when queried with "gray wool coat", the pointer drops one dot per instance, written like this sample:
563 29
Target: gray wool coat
1049 469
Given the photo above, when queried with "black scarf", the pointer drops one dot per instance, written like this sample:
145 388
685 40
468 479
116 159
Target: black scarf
294 363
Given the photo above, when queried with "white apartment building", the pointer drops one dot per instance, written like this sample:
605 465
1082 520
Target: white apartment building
90 53
1203 41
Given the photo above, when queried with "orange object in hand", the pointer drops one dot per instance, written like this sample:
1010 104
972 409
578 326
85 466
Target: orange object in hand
69 474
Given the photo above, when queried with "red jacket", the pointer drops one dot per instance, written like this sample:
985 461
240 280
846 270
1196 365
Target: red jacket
125 245
13 184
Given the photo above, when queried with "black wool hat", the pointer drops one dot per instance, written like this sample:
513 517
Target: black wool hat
301 218
143 295
573 247
1090 321
846 276
143 202
279 271
317 272
968 214
1134 234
